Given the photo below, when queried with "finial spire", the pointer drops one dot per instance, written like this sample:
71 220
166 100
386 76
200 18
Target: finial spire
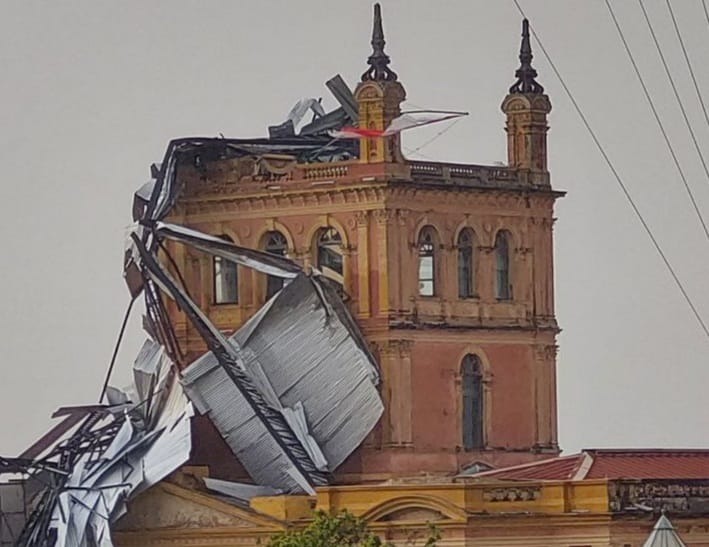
378 61
525 74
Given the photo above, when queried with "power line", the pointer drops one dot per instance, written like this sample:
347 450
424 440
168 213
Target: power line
436 136
674 87
706 10
657 116
618 179
686 57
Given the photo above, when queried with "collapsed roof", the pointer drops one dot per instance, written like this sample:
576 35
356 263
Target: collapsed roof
261 387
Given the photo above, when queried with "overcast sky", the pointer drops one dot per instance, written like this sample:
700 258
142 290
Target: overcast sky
91 92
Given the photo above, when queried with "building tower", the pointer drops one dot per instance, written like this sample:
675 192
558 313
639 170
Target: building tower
448 269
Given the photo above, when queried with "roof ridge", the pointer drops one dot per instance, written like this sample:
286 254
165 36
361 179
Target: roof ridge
580 472
648 451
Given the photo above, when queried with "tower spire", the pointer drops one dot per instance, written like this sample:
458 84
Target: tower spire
378 61
525 74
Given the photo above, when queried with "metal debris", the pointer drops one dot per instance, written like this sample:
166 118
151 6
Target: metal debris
262 387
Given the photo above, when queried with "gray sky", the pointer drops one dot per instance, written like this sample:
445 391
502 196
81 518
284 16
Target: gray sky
92 92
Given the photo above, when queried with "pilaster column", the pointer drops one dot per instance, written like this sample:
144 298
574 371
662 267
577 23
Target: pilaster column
406 270
395 362
383 218
545 394
486 273
363 266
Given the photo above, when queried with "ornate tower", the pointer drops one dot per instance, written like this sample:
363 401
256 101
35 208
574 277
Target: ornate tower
526 107
448 269
379 96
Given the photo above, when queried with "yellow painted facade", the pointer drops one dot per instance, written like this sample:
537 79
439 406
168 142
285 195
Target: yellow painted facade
472 514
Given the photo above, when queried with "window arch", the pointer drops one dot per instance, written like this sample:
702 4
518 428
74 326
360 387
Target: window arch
466 263
328 254
503 285
275 243
427 261
473 417
226 278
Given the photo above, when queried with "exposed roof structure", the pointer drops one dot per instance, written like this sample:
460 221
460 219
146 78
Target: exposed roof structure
610 464
664 535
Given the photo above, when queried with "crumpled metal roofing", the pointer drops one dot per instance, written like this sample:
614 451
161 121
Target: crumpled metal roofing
263 387
86 475
303 358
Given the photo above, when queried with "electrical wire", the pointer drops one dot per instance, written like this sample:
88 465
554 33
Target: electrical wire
618 179
674 86
657 116
435 137
115 350
706 10
686 58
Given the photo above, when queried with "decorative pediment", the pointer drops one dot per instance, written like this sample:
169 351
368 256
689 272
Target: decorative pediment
168 506
416 509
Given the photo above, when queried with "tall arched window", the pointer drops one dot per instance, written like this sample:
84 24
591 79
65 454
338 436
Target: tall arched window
274 243
466 263
503 286
329 254
226 280
473 411
427 261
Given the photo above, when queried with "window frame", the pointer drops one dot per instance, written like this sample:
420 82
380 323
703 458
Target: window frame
426 244
280 248
218 263
323 242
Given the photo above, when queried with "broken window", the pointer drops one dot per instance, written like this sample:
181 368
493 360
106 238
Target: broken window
466 264
427 261
274 243
503 287
226 281
473 411
329 254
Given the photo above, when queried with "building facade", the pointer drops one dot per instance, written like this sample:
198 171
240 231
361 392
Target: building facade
448 269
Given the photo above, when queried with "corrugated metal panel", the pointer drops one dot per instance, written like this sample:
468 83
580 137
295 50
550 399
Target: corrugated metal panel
244 431
298 349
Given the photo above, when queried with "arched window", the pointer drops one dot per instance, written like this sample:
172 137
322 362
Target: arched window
473 411
274 243
503 287
226 280
329 254
466 263
427 261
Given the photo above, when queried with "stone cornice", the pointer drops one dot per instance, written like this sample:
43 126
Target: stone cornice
371 196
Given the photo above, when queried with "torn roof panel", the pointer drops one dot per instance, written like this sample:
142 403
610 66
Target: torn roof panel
297 345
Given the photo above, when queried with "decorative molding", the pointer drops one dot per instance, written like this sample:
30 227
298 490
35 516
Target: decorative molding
689 496
545 352
512 494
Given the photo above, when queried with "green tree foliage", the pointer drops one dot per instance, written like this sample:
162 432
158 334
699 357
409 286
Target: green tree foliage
340 530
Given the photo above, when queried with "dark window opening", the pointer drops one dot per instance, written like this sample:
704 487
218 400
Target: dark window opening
275 244
473 410
329 254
